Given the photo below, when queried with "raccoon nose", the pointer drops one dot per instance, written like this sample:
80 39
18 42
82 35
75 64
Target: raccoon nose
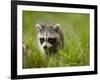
45 47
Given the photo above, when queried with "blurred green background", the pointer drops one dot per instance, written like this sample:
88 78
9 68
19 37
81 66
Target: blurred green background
76 35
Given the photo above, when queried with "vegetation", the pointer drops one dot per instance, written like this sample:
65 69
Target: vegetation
76 35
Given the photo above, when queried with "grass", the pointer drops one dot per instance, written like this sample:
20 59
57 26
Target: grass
76 35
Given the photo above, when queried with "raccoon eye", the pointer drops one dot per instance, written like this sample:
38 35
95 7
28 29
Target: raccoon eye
52 40
41 40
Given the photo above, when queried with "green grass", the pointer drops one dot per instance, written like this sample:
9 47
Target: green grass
76 35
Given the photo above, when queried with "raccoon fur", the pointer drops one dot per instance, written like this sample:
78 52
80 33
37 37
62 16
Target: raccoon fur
50 38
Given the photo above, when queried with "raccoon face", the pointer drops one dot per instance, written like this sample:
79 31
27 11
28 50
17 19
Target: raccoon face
47 35
47 43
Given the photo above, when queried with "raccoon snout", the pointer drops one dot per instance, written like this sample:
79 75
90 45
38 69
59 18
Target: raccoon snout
45 47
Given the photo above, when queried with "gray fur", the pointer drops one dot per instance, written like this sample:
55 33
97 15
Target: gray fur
52 37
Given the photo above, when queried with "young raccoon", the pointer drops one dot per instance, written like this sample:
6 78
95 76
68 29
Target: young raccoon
50 38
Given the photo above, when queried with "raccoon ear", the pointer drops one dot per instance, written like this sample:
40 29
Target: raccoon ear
39 27
56 27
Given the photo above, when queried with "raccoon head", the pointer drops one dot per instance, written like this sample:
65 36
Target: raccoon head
48 35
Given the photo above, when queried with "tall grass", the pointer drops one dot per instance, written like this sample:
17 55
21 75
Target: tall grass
76 36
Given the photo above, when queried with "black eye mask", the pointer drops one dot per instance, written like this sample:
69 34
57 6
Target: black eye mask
52 40
41 40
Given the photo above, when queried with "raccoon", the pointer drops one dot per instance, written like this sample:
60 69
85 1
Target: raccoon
50 38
